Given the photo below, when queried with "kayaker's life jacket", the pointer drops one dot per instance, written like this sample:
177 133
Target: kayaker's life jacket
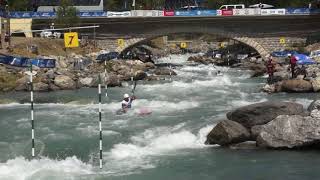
127 104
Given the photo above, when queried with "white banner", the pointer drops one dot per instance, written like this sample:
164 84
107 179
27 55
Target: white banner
247 12
160 13
268 12
219 13
145 13
118 14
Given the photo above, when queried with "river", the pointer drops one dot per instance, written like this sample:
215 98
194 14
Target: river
168 144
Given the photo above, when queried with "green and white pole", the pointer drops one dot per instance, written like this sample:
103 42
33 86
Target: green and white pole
100 124
32 111
132 83
105 78
170 68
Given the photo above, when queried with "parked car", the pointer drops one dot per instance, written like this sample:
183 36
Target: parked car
188 8
50 34
233 6
108 56
262 6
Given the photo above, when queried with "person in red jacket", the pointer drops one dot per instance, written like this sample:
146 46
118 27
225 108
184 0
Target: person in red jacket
293 63
270 70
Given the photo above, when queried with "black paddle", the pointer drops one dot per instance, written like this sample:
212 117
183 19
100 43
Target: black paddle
134 87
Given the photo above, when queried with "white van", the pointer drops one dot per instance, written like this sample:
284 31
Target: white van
230 7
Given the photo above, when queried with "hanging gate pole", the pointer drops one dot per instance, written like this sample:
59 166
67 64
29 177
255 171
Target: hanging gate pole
32 115
100 125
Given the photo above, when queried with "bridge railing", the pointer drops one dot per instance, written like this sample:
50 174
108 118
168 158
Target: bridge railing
176 13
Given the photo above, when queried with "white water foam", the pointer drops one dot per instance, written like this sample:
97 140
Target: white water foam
159 141
44 168
175 59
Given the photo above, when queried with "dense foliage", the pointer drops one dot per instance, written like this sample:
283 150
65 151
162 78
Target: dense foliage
66 15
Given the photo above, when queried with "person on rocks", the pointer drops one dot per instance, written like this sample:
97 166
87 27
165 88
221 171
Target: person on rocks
127 102
270 70
293 63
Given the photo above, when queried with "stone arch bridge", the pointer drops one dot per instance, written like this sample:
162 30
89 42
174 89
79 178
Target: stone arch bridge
262 33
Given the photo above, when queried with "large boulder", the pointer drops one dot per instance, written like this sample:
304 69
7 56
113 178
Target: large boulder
314 105
87 82
140 75
227 132
290 132
113 80
255 131
200 59
262 113
40 86
282 74
164 71
315 84
22 84
248 145
64 82
296 85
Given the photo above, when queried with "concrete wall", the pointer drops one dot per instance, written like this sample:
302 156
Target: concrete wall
17 25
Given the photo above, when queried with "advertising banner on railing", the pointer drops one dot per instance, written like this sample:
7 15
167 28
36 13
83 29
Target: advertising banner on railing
219 12
160 13
315 11
185 13
18 14
268 12
118 14
168 13
297 11
93 14
247 12
206 12
226 12
145 13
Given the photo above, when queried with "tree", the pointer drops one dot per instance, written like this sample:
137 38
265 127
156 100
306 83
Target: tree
19 5
67 15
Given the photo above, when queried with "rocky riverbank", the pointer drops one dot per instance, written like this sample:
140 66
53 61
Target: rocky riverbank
307 78
76 71
275 125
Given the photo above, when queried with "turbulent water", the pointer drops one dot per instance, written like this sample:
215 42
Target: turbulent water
168 144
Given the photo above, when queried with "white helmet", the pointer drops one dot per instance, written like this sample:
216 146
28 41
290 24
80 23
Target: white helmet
289 54
126 96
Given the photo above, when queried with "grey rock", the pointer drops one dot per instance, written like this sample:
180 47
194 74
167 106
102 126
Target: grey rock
262 113
314 105
64 82
290 132
164 71
40 86
255 131
86 81
248 145
140 75
296 85
315 113
53 87
227 132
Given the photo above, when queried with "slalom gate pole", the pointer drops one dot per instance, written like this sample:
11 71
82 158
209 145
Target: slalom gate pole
132 83
100 125
32 113
105 78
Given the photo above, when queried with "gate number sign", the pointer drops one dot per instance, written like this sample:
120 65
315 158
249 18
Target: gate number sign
71 40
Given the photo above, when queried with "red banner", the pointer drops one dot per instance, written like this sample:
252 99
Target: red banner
227 12
168 13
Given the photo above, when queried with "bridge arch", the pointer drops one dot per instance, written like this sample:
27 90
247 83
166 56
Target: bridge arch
251 42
